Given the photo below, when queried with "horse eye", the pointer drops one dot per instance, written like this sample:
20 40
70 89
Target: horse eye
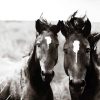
38 44
51 44
87 50
66 51
56 45
95 48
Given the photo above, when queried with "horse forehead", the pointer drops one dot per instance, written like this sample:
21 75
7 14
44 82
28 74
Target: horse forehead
48 39
79 38
47 33
76 46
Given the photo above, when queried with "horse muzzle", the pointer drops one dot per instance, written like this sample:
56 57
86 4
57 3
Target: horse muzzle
47 76
77 87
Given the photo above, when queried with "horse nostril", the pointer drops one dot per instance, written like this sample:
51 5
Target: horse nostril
48 73
47 76
71 83
53 73
77 83
43 73
82 83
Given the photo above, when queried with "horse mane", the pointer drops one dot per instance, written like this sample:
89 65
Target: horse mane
33 72
92 80
44 21
32 64
75 24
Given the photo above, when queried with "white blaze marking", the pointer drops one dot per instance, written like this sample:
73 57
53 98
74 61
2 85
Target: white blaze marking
38 42
42 66
76 47
48 39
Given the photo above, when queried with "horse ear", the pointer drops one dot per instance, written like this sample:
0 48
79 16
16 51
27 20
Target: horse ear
39 26
96 37
55 28
93 39
63 28
87 27
74 14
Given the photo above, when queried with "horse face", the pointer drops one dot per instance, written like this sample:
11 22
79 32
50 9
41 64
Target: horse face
47 49
76 61
76 51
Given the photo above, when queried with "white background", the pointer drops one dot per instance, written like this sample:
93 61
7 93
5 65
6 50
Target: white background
52 10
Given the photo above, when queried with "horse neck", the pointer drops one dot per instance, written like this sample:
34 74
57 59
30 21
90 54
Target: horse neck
91 80
34 69
92 83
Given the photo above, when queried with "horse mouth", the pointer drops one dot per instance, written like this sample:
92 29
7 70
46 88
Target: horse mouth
47 77
76 91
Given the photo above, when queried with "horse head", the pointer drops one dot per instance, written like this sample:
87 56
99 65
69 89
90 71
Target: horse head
47 47
76 31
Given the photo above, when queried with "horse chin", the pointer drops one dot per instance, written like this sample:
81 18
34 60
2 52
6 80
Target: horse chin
76 93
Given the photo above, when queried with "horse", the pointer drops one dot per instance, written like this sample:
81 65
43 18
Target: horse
79 55
34 77
95 62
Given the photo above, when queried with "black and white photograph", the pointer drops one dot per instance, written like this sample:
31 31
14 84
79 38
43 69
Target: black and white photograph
50 50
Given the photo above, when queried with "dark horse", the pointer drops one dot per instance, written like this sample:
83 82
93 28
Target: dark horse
33 82
79 57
